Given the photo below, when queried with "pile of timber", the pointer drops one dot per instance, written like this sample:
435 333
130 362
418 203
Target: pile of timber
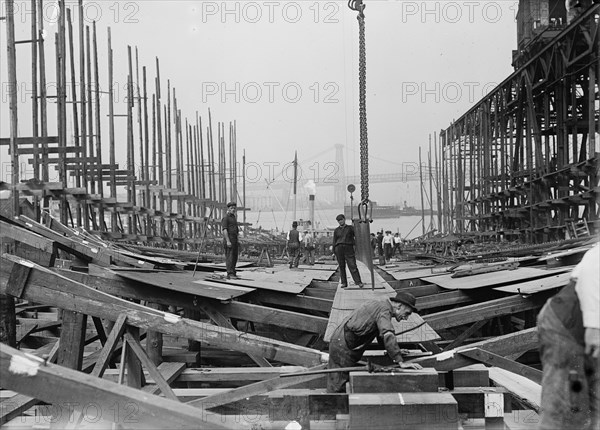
107 335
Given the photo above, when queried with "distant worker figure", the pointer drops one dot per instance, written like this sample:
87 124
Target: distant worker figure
569 335
229 227
343 248
293 245
388 244
397 244
309 247
380 247
356 332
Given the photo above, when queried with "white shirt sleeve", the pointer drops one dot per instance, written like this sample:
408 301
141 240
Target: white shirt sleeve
587 287
287 237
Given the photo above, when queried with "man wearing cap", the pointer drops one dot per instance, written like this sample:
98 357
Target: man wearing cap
356 332
293 240
229 227
343 248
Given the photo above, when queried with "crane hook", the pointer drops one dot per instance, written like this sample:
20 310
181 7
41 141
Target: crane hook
357 5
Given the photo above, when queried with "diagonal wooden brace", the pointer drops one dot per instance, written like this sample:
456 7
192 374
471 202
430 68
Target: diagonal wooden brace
137 349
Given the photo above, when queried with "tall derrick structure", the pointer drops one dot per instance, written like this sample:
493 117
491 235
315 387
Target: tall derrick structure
523 162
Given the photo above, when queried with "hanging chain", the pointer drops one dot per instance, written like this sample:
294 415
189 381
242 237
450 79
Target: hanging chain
362 83
358 6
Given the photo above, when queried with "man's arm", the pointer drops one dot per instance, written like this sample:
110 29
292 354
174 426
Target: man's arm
224 224
394 351
386 331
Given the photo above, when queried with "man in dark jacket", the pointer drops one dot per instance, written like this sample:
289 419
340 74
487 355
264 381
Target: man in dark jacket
293 245
229 227
356 332
343 248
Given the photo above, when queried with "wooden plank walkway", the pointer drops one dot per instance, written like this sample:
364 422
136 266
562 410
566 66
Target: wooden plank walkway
348 299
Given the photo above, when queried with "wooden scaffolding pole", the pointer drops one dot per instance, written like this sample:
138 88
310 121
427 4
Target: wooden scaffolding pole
111 132
98 134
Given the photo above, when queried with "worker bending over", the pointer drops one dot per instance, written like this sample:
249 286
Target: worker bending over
356 332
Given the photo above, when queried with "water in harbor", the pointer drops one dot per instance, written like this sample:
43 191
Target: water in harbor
408 226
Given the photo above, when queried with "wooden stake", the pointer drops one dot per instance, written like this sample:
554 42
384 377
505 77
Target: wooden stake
421 187
101 223
111 133
160 174
12 91
90 112
84 102
75 109
43 105
146 153
34 97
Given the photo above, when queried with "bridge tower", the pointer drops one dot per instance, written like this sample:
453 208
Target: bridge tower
339 191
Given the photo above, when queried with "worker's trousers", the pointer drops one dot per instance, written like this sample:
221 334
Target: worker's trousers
340 356
231 257
345 255
570 384
294 254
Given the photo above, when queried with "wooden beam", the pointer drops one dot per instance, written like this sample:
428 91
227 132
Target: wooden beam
111 343
150 367
72 339
256 389
465 335
45 286
492 359
236 374
12 231
298 302
62 386
276 317
443 299
486 310
95 253
222 321
512 343
29 140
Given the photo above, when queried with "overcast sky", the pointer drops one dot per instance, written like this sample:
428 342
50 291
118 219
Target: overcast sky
287 71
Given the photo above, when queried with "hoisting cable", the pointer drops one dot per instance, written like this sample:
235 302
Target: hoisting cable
365 207
358 6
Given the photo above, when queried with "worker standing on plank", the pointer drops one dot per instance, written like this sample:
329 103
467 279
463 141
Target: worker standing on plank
293 240
343 248
569 334
356 332
229 227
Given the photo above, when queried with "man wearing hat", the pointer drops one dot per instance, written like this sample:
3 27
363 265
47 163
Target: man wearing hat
230 229
356 332
293 240
343 248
